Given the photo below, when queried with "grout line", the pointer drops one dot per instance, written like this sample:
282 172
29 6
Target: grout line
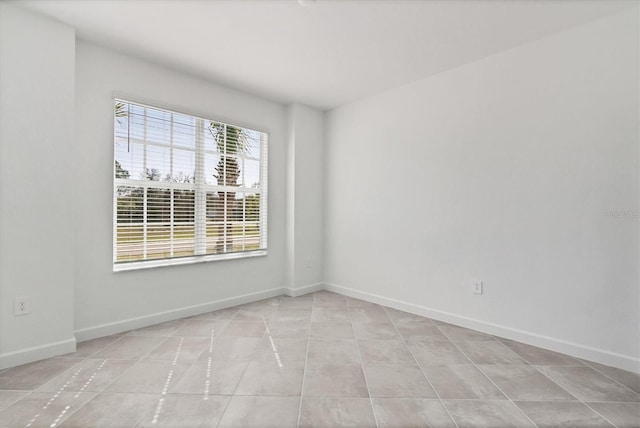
306 360
488 378
588 364
420 367
364 373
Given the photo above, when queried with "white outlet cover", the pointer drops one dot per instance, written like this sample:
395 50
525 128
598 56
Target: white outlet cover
22 306
476 286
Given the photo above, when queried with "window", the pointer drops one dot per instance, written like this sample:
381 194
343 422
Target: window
185 188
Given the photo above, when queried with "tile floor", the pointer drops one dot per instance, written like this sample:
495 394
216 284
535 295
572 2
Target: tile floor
317 360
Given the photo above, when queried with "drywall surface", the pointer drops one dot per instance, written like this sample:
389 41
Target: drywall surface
521 170
36 184
304 195
104 297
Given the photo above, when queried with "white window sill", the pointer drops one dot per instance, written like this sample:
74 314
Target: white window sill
147 264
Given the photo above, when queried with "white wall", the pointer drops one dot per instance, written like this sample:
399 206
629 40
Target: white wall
36 185
305 141
107 301
502 170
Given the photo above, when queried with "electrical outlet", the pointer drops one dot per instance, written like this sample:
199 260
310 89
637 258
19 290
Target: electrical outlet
21 306
476 286
308 264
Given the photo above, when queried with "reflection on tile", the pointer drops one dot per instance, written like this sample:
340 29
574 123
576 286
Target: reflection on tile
335 380
411 412
221 377
486 414
522 382
559 414
397 380
586 384
269 378
190 350
463 381
622 415
94 374
130 347
539 356
187 411
233 348
267 412
201 328
113 410
32 375
283 350
336 412
42 409
490 352
148 376
384 351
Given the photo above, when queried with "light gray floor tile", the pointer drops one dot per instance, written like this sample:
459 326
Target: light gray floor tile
281 349
628 379
130 347
31 376
397 380
487 414
321 314
292 315
562 414
148 377
94 374
219 377
539 356
335 380
343 351
586 384
384 351
374 314
336 412
270 378
461 334
267 412
90 347
190 349
463 381
332 330
524 382
42 409
113 410
399 316
201 328
437 353
164 329
375 331
410 413
244 329
490 352
622 415
233 348
424 331
291 330
186 411
7 398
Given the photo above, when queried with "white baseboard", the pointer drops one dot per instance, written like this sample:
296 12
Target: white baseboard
613 359
24 356
300 291
147 320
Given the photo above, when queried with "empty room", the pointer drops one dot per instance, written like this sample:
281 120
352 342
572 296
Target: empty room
319 213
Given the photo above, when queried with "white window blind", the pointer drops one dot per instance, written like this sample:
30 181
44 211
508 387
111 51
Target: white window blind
185 188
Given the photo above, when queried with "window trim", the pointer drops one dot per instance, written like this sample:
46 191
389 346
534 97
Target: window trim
203 258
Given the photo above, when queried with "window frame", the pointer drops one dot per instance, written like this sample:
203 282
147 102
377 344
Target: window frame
200 189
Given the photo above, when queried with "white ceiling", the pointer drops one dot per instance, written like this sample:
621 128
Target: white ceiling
326 54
